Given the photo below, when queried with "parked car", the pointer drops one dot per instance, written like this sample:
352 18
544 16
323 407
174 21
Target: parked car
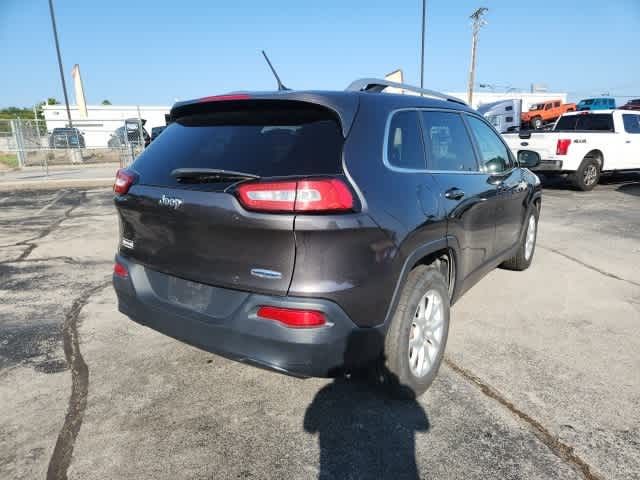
545 112
632 105
155 131
66 138
129 134
601 103
584 145
315 233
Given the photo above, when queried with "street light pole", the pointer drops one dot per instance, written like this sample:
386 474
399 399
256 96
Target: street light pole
424 15
64 85
478 23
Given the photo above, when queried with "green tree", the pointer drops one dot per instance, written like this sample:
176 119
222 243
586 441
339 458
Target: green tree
16 112
106 102
52 101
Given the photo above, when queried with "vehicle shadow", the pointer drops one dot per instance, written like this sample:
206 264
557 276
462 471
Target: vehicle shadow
362 431
628 182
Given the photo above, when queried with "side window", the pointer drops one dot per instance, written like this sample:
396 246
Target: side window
494 156
631 123
548 106
404 143
556 104
448 144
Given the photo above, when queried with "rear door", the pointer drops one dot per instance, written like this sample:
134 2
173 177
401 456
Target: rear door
195 228
631 134
469 197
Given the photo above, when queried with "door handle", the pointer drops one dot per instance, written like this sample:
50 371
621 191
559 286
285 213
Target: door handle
454 194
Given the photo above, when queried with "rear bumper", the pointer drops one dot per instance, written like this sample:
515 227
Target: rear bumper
549 166
227 324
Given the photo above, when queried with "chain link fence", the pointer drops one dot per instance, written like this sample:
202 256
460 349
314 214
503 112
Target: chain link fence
27 143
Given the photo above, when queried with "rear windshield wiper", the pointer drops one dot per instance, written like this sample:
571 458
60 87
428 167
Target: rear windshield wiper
210 175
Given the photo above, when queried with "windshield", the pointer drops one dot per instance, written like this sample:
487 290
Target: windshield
589 122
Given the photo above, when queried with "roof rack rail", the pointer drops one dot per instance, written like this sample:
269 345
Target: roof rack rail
378 85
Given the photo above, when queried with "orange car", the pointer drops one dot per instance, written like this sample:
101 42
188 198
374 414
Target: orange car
545 112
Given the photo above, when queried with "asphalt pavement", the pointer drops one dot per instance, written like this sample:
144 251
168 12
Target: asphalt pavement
541 378
58 176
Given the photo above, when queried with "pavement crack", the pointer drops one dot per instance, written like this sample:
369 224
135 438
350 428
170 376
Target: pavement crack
558 447
63 450
51 228
590 267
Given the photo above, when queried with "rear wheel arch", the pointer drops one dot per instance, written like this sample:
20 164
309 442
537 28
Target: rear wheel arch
537 203
445 261
426 254
597 155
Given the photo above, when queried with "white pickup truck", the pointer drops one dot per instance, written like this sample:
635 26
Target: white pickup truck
584 144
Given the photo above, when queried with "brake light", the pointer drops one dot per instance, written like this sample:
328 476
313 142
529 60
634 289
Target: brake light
293 318
563 146
120 270
222 98
124 179
326 195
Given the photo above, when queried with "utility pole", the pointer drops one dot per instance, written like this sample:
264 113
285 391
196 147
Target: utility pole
424 16
478 23
64 85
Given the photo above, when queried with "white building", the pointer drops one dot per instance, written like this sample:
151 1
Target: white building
528 99
103 120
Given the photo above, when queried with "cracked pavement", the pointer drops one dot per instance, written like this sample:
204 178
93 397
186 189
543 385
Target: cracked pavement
542 378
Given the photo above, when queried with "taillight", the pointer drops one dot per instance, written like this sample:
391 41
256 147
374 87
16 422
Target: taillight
563 146
325 195
124 179
293 317
120 270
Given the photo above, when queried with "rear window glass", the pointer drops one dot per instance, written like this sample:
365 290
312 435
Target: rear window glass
589 122
268 143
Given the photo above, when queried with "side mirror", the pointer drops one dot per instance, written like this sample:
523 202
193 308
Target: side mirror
528 158
524 134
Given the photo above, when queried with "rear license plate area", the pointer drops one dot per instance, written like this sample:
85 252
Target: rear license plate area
195 296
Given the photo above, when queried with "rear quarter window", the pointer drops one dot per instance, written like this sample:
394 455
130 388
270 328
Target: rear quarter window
267 143
585 122
404 141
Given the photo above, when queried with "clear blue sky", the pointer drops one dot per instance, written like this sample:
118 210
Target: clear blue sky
152 52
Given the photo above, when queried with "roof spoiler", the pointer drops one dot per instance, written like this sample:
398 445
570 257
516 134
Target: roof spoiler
378 85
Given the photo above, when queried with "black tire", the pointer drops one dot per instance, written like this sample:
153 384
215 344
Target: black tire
588 174
536 123
394 370
520 261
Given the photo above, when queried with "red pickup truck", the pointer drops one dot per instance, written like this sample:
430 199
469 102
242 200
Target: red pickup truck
545 112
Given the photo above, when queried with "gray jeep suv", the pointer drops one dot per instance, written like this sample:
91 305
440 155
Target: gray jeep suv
318 233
